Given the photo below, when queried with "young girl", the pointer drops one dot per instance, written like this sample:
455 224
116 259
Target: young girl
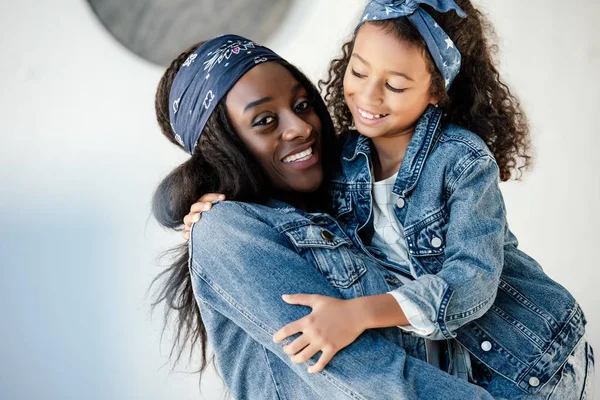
418 190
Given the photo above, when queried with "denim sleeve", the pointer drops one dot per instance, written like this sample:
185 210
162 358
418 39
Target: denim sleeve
241 266
467 284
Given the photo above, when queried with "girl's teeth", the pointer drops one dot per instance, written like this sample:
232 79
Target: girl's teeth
368 115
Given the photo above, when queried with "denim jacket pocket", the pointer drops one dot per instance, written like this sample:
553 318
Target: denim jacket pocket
426 242
331 251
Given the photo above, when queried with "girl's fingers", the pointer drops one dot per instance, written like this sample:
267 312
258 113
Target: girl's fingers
186 235
288 330
210 197
306 354
326 356
300 299
297 345
199 207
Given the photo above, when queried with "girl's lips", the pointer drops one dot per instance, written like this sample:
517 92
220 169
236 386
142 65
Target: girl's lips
368 121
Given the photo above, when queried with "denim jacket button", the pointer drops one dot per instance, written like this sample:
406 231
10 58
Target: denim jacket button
326 235
486 346
400 202
533 381
436 242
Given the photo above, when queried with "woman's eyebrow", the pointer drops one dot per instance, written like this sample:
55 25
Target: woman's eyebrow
264 100
257 103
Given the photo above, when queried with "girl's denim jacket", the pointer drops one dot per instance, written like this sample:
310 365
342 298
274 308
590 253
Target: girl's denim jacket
473 281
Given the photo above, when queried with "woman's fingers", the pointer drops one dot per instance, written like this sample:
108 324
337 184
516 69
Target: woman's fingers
306 354
297 345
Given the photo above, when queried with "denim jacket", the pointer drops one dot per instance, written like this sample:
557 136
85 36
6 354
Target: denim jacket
473 281
276 249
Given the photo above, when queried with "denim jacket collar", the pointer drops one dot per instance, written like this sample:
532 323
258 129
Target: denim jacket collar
425 135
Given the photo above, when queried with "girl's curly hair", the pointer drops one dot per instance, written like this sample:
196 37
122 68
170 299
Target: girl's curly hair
478 99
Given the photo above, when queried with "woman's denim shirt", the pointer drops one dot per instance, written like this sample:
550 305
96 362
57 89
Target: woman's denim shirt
473 281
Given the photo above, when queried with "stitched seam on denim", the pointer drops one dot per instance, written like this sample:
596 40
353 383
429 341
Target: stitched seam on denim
441 319
416 172
432 217
566 324
470 311
473 147
225 296
518 296
271 372
535 339
467 165
221 293
505 353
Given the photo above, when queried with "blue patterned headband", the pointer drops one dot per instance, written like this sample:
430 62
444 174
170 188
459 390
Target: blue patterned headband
445 55
205 78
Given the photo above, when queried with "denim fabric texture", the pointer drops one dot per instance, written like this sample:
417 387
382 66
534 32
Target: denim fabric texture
243 257
474 283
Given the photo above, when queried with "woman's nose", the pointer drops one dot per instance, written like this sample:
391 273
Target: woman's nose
296 128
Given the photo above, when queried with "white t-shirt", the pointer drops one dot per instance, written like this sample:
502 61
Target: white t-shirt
389 238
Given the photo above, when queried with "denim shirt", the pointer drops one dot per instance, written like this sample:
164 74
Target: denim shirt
471 279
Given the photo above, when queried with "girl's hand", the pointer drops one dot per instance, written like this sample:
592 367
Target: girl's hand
332 325
204 204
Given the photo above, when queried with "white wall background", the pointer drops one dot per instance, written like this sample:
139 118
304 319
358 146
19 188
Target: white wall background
80 155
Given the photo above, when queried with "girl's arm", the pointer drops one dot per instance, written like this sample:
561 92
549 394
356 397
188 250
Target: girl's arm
466 286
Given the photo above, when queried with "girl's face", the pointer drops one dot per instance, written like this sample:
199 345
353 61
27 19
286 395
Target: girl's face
273 115
386 84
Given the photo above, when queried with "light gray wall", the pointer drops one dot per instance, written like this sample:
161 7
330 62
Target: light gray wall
80 155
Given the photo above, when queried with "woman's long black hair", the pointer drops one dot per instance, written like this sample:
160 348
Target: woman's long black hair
220 164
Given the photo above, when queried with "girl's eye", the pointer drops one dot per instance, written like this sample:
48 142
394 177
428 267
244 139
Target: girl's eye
393 89
356 73
264 121
302 106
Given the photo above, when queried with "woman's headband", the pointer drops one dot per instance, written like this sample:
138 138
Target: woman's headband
205 78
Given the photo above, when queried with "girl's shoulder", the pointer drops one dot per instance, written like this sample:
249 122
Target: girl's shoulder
458 141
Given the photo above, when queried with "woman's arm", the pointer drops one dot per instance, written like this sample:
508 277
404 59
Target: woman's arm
242 266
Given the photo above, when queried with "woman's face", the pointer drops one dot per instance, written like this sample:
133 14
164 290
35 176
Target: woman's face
386 84
274 116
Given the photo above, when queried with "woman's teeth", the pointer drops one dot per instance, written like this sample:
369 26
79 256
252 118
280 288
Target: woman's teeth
368 115
303 156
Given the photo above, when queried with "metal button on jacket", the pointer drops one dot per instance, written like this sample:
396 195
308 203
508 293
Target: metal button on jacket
486 346
400 202
327 235
436 242
533 381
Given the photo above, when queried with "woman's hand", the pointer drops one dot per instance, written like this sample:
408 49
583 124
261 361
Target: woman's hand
332 325
204 204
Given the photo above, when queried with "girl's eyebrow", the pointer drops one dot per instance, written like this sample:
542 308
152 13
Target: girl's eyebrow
264 100
390 72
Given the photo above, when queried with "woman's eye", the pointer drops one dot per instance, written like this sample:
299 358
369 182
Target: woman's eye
302 106
356 73
264 121
393 89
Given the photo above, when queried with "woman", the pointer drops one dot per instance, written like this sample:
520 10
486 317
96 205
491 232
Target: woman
259 132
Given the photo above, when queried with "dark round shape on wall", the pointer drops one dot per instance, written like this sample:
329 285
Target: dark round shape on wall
158 30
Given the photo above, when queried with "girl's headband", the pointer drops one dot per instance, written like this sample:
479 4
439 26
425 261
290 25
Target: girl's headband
445 55
205 78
